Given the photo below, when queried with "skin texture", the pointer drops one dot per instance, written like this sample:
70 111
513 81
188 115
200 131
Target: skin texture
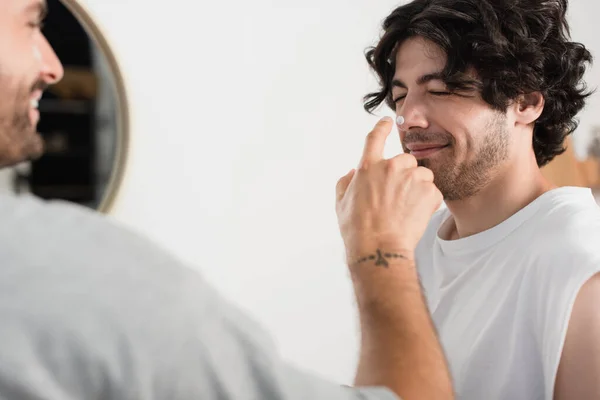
27 66
579 368
476 137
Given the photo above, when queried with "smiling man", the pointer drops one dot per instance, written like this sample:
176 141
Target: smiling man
486 92
27 66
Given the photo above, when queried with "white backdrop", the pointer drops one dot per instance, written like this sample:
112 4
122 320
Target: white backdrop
244 115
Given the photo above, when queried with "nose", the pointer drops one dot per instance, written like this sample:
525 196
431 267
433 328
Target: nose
52 69
414 111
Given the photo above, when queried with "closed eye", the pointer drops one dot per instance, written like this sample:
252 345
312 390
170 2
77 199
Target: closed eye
441 94
36 25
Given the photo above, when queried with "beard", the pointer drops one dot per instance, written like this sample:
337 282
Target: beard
460 181
19 140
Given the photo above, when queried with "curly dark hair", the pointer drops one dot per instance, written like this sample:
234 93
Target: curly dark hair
515 46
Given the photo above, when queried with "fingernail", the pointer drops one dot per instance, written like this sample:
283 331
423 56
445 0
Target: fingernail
386 119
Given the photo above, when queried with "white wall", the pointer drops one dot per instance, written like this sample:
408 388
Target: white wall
244 115
583 17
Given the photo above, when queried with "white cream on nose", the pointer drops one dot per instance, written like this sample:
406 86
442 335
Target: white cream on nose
36 53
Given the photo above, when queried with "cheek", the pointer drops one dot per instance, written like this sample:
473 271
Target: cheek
472 127
22 59
467 141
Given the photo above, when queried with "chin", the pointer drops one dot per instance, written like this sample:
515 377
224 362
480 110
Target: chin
31 148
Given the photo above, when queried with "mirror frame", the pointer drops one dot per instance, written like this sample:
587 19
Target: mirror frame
122 105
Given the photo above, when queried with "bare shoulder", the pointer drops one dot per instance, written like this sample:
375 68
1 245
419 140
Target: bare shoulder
579 367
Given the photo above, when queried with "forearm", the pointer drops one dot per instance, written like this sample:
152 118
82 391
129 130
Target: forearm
399 346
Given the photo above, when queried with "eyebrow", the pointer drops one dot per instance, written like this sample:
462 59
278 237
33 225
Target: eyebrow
436 76
40 7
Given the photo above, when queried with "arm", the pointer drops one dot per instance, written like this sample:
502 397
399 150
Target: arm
383 210
578 374
399 347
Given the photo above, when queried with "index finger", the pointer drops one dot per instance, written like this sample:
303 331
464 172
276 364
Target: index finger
375 143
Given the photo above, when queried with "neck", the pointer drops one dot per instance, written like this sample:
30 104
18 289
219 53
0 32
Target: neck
512 188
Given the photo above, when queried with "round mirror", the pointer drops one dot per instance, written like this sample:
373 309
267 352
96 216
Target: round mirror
83 118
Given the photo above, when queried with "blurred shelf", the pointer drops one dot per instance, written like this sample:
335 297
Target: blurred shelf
64 191
61 106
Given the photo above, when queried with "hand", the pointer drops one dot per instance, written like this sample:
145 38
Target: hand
385 203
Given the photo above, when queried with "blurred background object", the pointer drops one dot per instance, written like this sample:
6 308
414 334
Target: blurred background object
570 170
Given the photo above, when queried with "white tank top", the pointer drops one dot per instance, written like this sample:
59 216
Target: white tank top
501 300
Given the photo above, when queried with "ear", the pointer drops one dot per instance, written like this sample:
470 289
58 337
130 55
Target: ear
528 108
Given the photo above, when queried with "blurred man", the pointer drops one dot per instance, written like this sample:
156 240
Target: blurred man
88 310
28 66
487 92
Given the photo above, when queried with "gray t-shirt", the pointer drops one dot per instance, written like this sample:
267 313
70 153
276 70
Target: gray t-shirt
90 310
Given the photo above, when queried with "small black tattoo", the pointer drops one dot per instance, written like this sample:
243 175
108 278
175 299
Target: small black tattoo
380 259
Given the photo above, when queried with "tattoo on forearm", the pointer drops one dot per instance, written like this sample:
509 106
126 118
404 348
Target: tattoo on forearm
380 258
